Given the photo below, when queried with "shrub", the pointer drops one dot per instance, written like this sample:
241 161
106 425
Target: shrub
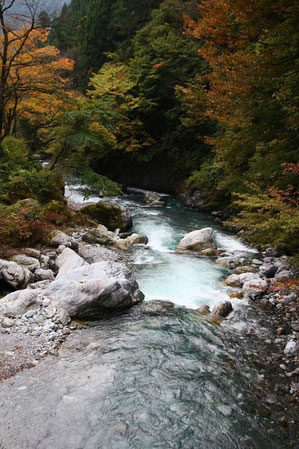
21 224
39 184
268 219
207 178
57 212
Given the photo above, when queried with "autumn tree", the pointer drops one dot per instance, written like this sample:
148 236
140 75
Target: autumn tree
251 90
32 77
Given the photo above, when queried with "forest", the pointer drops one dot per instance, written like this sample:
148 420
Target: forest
180 96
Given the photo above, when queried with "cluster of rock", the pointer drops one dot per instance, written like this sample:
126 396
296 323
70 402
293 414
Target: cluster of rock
257 279
74 280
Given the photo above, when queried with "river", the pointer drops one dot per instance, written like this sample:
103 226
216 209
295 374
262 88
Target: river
141 380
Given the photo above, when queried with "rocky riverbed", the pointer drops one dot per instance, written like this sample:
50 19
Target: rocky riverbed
84 275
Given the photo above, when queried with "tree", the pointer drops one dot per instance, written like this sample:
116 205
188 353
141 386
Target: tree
251 90
30 71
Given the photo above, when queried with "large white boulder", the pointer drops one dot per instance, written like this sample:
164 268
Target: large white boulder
197 241
67 261
90 291
17 303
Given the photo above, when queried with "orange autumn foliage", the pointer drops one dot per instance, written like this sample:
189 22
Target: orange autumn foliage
37 87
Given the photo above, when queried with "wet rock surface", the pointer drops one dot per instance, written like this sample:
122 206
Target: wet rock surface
197 241
142 380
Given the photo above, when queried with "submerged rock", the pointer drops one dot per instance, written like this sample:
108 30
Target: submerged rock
111 215
197 241
157 307
223 309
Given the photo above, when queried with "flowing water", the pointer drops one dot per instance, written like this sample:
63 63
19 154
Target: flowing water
144 380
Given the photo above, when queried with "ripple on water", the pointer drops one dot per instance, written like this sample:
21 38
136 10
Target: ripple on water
139 382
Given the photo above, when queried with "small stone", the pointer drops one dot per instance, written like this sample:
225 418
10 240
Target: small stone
291 347
226 410
233 281
203 310
223 309
7 322
236 295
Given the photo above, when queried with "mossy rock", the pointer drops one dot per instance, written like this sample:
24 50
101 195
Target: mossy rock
82 219
110 215
58 213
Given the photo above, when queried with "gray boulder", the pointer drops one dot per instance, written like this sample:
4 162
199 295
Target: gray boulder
203 310
19 302
157 307
223 309
134 239
154 199
254 288
15 275
27 262
233 281
67 261
196 241
126 219
58 238
100 235
32 252
283 274
268 270
43 275
90 291
97 253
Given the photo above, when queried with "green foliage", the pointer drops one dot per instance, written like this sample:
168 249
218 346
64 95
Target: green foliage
267 219
21 224
101 184
207 178
41 185
14 152
89 29
83 135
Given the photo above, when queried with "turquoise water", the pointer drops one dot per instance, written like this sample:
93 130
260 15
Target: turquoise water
169 380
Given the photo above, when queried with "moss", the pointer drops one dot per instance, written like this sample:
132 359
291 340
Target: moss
58 213
80 219
107 214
